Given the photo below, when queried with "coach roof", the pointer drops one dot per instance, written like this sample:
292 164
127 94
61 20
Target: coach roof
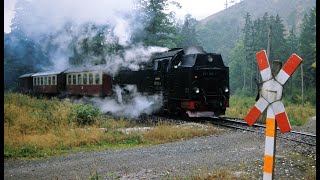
26 75
87 68
47 73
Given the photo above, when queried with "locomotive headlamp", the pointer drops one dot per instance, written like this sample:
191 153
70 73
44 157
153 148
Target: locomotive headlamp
196 90
210 59
226 89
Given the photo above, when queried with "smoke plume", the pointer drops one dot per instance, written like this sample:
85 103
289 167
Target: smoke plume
132 58
128 102
60 26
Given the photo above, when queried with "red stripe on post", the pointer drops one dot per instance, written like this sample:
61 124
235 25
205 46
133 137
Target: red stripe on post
262 60
283 122
252 116
292 64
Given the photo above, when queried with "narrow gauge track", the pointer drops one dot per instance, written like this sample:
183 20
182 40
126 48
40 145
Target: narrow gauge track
236 123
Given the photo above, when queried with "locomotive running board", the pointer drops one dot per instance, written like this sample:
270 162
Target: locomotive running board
201 114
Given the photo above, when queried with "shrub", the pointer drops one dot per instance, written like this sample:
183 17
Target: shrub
85 114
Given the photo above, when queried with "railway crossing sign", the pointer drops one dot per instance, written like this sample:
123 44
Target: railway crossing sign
270 99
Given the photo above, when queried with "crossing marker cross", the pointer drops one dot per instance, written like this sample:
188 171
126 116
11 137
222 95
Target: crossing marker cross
270 99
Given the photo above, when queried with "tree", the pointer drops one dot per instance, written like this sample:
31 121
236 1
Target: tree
307 50
187 34
238 69
248 41
278 41
158 24
291 47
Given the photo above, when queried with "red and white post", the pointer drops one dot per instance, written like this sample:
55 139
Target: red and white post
270 99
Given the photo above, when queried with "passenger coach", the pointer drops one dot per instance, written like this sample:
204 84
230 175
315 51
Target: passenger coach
50 83
88 81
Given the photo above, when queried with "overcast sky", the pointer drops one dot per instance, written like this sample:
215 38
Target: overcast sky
199 9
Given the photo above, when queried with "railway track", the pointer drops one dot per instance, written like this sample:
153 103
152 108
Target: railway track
236 123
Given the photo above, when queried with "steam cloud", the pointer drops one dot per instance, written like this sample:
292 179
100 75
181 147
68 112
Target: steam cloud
45 16
64 20
128 103
132 58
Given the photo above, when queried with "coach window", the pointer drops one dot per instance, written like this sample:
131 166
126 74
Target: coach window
38 80
45 80
74 81
41 80
79 78
84 78
69 79
97 78
49 80
34 81
90 78
53 80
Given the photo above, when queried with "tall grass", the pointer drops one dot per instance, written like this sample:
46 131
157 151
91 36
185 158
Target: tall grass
39 127
43 127
298 114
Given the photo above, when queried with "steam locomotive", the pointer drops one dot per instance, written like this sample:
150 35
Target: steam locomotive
190 81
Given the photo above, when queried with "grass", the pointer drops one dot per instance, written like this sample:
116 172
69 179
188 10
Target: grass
298 115
40 127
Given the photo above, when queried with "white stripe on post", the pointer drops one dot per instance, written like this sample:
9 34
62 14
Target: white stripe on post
267 176
266 74
282 77
262 104
269 146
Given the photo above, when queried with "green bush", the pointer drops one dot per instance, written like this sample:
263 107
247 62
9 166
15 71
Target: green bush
85 114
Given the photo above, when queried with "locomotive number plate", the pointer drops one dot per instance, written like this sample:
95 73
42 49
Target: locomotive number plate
208 73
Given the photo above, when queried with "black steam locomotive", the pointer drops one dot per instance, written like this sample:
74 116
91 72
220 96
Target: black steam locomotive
190 81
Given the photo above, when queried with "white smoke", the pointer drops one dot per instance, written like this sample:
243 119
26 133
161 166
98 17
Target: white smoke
122 31
193 50
128 102
45 16
132 58
63 20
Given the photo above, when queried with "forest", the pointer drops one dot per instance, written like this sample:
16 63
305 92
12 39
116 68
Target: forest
150 23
